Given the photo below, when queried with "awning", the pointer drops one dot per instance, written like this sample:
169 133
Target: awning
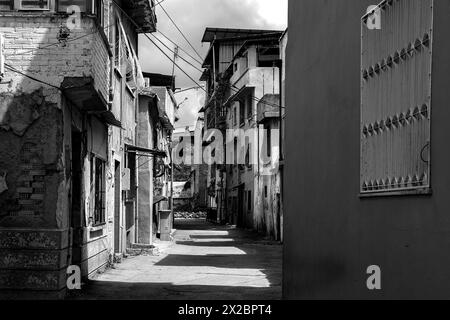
81 92
145 152
109 118
242 92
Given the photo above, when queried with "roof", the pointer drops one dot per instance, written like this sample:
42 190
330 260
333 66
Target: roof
248 43
143 13
257 36
160 80
226 33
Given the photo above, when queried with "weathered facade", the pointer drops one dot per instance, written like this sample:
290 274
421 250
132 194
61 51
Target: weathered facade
243 78
157 117
347 210
68 106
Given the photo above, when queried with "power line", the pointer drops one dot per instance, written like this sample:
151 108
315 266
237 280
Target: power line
157 4
174 43
177 54
30 77
162 51
58 43
186 89
181 32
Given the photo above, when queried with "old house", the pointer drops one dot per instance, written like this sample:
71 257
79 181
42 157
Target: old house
368 175
68 107
243 77
156 120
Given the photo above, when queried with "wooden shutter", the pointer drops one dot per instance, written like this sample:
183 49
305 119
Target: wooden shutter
396 99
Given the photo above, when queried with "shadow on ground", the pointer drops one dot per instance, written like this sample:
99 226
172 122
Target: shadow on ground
206 262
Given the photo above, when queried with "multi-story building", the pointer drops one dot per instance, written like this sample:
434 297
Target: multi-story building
68 106
156 120
243 81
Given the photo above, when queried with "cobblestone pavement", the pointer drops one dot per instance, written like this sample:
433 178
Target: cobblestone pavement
205 261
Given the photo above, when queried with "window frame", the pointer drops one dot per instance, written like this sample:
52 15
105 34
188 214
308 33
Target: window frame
98 183
20 6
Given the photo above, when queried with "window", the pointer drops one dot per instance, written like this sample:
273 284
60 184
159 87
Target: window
100 12
234 116
118 55
63 5
34 5
268 135
98 185
265 191
396 101
249 201
249 102
241 112
6 5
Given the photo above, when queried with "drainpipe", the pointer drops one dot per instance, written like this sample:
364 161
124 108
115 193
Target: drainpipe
171 177
281 156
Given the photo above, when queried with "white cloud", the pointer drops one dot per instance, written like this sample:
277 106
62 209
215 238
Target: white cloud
193 16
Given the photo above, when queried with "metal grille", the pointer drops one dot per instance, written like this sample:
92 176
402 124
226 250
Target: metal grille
396 98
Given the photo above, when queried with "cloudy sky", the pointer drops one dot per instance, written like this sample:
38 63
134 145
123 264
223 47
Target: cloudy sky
192 17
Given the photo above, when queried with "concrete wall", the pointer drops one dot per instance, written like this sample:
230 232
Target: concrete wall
36 123
331 235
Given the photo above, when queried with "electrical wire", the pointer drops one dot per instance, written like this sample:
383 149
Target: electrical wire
30 77
176 53
153 42
181 32
58 43
174 43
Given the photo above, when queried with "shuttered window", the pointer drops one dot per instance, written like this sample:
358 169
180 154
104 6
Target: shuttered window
396 99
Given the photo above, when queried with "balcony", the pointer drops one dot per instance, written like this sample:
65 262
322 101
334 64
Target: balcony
268 108
266 78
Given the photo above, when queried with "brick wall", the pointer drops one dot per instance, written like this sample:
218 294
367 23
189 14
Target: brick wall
24 36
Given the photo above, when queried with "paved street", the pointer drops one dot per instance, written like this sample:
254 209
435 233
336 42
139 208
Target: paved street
205 262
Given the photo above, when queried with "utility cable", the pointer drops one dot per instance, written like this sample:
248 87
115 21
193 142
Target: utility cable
181 32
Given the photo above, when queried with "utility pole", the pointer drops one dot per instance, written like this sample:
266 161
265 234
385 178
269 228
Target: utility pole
175 56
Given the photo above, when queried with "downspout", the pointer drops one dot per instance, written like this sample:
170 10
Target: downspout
281 156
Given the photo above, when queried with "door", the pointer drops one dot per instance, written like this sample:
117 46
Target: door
76 221
241 210
117 203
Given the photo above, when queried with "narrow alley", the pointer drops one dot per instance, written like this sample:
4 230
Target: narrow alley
205 262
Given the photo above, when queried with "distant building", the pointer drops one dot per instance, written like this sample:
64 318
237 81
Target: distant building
243 80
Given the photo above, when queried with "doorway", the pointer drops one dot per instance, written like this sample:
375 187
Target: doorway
76 221
117 203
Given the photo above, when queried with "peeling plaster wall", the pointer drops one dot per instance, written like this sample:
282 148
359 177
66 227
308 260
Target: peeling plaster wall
35 147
